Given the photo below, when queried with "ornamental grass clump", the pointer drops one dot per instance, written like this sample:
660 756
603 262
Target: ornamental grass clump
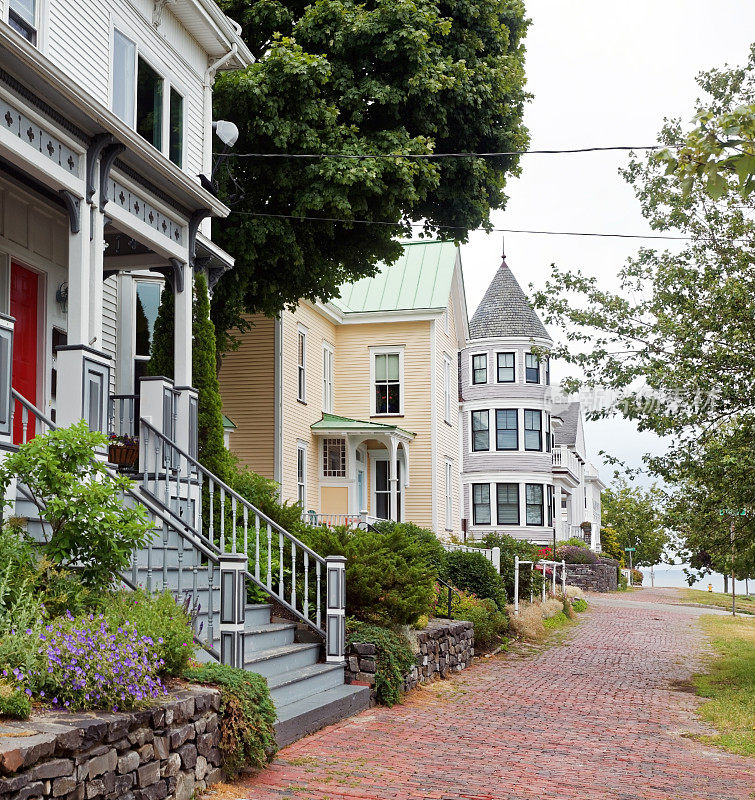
89 664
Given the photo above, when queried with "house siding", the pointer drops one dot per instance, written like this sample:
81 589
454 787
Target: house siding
110 322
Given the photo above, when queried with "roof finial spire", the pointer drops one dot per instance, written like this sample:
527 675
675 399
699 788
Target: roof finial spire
503 247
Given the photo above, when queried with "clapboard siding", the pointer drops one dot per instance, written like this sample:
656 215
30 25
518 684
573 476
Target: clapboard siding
110 322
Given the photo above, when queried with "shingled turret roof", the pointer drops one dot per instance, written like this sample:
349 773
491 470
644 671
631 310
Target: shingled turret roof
504 311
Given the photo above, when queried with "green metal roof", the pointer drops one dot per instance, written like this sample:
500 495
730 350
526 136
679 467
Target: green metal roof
228 423
332 422
420 279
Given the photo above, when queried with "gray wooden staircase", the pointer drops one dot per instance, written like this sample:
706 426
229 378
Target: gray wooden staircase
301 660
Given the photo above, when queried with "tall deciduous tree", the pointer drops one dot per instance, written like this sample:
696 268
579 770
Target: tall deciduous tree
381 77
635 515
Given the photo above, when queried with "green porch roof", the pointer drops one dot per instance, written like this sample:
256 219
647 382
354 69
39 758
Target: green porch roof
331 422
228 423
420 279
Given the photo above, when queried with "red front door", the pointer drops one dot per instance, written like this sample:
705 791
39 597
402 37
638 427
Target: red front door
24 299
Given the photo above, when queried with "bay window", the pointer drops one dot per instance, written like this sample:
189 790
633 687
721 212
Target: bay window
532 368
533 424
507 502
507 429
481 503
506 367
480 431
534 499
480 368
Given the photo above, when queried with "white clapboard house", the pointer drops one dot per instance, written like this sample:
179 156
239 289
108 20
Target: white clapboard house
105 127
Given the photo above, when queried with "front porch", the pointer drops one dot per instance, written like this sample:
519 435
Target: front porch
364 471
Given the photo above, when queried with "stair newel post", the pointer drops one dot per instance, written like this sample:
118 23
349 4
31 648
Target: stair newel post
232 606
335 622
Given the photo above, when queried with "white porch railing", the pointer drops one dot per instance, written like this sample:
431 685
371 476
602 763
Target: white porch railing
493 554
565 459
542 566
568 530
33 421
332 520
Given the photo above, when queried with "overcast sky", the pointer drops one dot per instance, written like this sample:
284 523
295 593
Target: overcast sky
602 73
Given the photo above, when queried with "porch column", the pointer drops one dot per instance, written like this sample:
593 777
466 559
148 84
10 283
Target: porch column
184 297
80 280
97 261
557 510
393 478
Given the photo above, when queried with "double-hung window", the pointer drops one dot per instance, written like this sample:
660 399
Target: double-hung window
531 368
505 367
480 430
449 496
481 503
550 504
301 474
327 378
533 433
387 370
447 388
143 99
146 305
547 370
507 502
548 435
507 429
301 366
22 17
534 499
480 368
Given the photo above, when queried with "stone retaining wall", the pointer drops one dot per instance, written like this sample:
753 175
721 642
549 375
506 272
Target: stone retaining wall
592 577
444 646
166 752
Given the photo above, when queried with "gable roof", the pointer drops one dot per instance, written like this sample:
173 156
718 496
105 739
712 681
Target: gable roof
569 414
420 279
505 311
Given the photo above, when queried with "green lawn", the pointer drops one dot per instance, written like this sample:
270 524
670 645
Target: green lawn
744 604
730 683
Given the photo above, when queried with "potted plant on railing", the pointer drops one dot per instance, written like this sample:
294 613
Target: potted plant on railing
123 449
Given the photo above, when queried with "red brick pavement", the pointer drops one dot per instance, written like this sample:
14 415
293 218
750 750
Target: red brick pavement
600 717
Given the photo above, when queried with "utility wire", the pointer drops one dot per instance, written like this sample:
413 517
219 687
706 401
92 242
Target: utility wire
460 228
426 156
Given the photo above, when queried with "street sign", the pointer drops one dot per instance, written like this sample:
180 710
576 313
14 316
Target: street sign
728 512
630 549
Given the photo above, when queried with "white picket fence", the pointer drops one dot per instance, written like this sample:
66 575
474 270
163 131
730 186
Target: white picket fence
493 554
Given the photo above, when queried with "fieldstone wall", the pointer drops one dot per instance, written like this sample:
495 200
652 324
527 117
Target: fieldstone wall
166 752
593 577
444 646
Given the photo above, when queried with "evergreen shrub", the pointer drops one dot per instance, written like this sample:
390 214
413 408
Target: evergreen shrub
474 573
247 716
530 580
432 551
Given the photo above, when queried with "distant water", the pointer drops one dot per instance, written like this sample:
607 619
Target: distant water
674 576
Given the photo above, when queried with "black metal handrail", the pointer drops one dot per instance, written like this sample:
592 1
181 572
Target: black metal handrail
451 591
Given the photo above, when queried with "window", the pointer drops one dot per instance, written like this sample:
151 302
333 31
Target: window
387 383
327 378
301 366
146 306
548 435
22 17
507 429
449 497
447 388
301 474
334 458
176 135
383 490
149 104
533 430
547 370
534 493
480 368
506 372
124 77
532 368
480 430
481 503
507 499
551 505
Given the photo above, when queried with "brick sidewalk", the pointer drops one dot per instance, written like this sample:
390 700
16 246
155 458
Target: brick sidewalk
598 718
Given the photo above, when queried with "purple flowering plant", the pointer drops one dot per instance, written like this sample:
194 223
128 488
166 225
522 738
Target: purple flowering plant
88 663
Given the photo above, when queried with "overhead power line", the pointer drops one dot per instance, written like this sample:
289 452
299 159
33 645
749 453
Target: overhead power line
460 228
429 156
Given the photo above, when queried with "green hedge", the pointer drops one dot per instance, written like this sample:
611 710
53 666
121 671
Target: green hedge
474 573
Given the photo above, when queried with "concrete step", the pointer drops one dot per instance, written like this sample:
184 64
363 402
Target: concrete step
256 614
309 714
278 660
289 687
266 637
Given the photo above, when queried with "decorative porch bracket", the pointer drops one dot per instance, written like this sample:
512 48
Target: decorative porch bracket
195 221
73 207
232 605
98 144
335 620
109 154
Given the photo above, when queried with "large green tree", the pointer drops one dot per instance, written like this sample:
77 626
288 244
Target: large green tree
381 77
635 515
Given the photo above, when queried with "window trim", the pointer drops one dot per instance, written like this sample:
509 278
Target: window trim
474 505
301 363
516 431
472 380
33 28
447 402
539 430
518 505
384 350
541 506
328 377
539 370
449 495
472 447
498 366
301 481
323 460
135 281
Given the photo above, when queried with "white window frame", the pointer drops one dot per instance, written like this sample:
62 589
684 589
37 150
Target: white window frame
137 279
301 365
449 495
384 351
476 524
505 353
328 377
539 370
301 480
472 357
345 460
169 83
36 25
447 387
471 429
